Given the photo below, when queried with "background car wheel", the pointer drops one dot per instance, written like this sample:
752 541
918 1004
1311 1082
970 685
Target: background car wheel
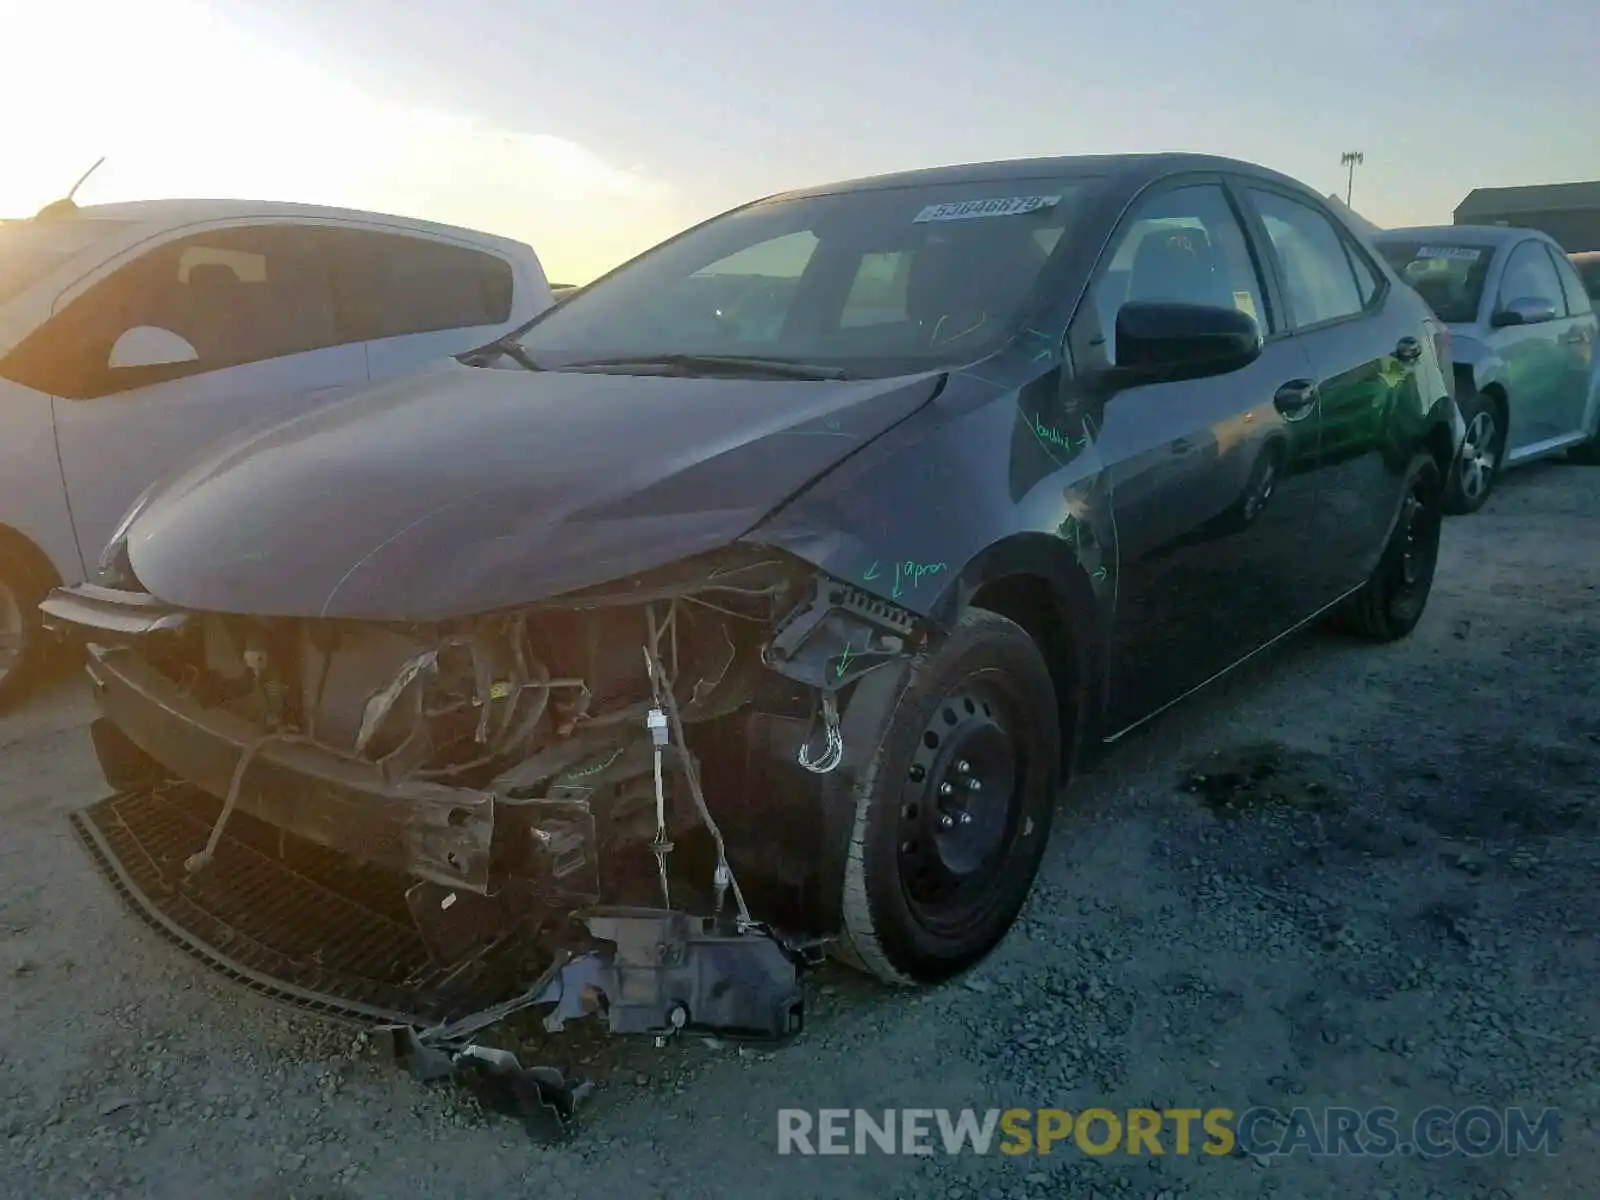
1392 601
1477 467
953 813
21 642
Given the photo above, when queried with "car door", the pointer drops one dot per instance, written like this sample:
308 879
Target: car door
1541 395
414 300
1579 342
1364 354
176 346
1211 517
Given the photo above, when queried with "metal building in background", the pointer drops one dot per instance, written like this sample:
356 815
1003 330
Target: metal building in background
1568 212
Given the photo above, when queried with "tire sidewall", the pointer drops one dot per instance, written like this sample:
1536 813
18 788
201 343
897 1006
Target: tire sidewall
16 578
1387 581
1458 501
994 650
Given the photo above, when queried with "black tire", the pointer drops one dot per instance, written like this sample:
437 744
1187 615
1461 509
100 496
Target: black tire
1477 467
20 594
1391 603
982 697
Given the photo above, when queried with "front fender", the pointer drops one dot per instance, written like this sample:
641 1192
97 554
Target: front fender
1480 363
977 488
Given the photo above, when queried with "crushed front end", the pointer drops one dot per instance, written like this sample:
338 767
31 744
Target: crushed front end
612 803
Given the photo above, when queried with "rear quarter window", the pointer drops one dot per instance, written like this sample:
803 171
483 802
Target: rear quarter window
392 285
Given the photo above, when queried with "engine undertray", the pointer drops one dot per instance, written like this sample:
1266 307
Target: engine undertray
283 916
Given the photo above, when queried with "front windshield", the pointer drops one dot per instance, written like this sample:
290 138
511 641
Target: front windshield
30 250
871 282
1448 275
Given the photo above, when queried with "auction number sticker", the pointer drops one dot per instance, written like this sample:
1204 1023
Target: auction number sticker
965 210
1459 253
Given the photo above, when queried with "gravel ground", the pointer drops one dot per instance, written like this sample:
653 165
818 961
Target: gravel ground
1398 910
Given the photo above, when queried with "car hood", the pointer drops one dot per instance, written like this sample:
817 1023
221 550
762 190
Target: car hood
468 489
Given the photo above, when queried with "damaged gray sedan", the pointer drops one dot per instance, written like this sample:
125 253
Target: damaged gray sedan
751 603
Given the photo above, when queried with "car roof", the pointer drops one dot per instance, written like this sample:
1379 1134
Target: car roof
174 212
1132 170
1466 235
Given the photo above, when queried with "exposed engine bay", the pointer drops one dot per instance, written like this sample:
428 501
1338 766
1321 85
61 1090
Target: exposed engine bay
551 782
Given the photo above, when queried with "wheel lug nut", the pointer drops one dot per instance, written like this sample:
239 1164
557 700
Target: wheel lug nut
963 766
966 818
946 790
974 786
947 822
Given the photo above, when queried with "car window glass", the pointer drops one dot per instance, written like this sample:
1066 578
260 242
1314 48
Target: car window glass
1530 275
1183 245
392 285
1578 303
1367 282
1317 275
878 295
1449 276
235 296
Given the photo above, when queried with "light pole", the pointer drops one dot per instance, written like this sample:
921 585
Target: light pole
1351 159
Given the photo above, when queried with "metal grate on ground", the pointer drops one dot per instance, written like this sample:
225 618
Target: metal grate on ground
274 912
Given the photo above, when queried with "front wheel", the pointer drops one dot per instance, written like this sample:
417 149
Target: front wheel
1392 601
953 813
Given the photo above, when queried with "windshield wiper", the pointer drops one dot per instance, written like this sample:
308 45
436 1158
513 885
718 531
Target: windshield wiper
716 364
506 346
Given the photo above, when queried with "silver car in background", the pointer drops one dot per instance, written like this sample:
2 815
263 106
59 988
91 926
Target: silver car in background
1523 336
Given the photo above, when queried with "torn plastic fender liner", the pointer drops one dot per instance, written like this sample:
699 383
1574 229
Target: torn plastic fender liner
426 830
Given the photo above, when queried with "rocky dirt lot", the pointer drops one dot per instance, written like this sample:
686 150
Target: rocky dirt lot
1352 876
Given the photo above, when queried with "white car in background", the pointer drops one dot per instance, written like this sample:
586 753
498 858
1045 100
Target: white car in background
133 334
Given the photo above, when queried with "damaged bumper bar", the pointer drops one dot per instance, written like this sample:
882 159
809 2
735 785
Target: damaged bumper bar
434 832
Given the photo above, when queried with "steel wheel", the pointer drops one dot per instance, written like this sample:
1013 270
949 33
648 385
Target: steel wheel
958 811
954 807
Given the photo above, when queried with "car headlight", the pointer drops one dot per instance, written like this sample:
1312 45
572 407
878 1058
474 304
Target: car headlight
114 569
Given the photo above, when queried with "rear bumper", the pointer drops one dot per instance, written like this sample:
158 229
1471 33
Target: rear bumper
426 830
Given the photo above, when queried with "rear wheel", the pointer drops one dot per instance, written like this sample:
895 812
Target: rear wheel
1477 467
1392 601
21 637
953 813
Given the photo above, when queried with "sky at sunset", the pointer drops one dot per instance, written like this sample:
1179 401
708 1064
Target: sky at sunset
595 131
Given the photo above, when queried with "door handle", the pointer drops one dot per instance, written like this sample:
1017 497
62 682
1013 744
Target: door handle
1295 399
1408 350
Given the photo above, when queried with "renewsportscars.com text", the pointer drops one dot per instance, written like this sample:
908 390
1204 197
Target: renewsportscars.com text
1432 1133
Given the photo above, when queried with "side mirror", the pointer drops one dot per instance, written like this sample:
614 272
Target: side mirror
1524 310
1160 342
150 346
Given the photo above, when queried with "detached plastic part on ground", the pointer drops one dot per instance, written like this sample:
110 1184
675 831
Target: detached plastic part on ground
337 943
663 973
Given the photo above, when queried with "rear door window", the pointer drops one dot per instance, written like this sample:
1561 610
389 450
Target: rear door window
394 285
1318 277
